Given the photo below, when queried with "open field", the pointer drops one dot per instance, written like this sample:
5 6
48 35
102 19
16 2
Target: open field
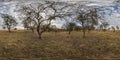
24 45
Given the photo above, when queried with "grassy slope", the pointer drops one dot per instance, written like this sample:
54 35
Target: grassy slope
21 45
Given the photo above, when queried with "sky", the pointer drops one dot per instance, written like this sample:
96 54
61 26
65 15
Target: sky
112 10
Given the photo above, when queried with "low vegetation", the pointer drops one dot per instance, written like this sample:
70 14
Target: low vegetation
24 45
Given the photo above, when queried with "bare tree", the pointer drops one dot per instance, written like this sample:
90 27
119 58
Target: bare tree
113 28
78 28
104 26
117 27
70 27
100 27
36 17
9 21
41 14
53 28
28 24
88 18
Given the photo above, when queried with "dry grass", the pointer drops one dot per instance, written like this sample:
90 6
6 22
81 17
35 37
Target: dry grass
24 45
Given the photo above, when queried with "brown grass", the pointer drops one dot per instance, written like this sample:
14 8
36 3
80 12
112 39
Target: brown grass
24 45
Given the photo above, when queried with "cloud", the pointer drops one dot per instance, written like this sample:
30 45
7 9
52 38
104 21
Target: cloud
114 19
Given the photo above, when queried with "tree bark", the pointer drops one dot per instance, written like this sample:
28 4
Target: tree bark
32 29
69 32
39 34
9 29
84 32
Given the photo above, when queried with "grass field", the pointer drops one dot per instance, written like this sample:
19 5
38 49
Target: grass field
24 45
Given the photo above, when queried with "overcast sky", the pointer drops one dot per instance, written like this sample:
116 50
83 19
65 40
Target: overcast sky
60 0
113 18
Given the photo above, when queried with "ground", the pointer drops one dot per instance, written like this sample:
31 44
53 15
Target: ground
24 45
